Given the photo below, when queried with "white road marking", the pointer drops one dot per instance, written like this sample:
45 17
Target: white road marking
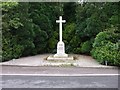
63 74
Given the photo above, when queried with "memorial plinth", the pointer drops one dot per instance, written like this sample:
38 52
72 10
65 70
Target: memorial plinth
61 50
60 55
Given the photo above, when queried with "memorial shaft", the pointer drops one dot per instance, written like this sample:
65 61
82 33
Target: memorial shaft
60 21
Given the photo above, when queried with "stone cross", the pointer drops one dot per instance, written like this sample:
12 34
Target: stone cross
60 21
60 55
60 45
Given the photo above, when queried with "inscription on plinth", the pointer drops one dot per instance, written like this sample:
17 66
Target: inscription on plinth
61 50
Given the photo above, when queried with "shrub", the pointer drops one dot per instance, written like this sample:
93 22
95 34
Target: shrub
77 50
72 42
101 39
69 31
110 34
105 48
52 43
86 47
11 50
110 53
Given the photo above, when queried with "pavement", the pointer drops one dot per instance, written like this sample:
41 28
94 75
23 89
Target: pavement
41 60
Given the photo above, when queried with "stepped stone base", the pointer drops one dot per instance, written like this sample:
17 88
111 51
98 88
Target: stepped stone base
61 55
57 57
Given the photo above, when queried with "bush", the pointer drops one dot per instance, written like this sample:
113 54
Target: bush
72 42
52 42
107 49
73 45
77 50
110 53
69 31
86 47
11 50
103 38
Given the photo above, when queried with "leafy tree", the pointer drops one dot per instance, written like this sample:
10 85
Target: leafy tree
10 47
88 23
69 11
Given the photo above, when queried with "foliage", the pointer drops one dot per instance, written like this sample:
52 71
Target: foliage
27 33
11 49
93 18
8 5
106 47
70 39
109 53
69 29
69 9
86 46
109 35
88 21
16 44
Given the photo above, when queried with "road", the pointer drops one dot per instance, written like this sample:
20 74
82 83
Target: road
58 77
18 81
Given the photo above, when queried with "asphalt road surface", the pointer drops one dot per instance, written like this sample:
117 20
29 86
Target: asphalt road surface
31 77
17 81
